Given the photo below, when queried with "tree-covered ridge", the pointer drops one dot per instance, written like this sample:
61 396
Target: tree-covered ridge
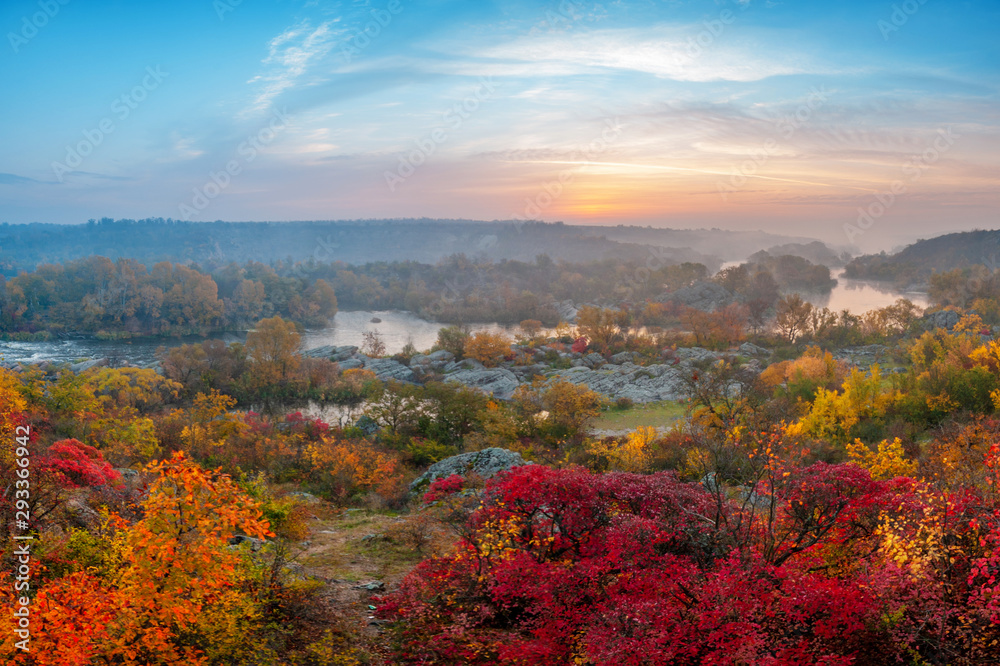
916 263
215 244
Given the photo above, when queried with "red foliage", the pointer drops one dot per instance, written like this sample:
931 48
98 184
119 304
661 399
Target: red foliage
443 487
580 345
78 465
564 566
311 430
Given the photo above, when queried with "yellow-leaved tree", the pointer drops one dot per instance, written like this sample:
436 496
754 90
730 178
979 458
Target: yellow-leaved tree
885 461
632 454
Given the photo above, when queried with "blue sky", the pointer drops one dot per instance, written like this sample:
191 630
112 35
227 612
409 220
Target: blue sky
866 123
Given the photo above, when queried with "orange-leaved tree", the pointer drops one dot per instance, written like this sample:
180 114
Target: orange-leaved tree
174 598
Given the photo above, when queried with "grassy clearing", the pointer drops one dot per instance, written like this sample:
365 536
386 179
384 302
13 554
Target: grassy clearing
655 414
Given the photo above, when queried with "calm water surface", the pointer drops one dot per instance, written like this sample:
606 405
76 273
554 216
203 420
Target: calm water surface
396 328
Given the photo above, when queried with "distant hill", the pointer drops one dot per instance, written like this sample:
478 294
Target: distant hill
814 252
913 265
726 244
213 244
210 244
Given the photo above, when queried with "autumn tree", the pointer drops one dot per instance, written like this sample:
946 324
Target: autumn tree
452 339
487 347
793 316
604 328
374 345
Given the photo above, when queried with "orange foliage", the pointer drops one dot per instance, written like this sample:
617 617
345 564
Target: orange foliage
347 467
176 571
487 348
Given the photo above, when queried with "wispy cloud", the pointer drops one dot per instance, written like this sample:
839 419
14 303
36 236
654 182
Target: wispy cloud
290 54
665 51
14 179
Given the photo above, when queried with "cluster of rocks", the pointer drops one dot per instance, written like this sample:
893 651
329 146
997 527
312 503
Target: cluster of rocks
941 319
862 356
615 377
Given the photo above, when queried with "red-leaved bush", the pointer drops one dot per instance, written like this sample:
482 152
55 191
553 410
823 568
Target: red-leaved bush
562 566
78 465
443 487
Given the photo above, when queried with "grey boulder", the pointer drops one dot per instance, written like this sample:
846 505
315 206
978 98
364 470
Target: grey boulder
486 463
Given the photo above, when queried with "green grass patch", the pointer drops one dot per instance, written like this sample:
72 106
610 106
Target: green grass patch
653 414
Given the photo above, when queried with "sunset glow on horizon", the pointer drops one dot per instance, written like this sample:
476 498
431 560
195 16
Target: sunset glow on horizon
794 118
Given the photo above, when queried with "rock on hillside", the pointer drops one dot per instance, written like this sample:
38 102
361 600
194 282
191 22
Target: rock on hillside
637 383
498 382
486 463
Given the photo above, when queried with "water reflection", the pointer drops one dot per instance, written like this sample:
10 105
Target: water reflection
860 296
395 327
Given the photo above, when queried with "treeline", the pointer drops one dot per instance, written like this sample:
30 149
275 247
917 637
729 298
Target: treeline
97 295
461 289
124 297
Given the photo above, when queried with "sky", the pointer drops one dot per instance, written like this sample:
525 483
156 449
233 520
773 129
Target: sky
862 123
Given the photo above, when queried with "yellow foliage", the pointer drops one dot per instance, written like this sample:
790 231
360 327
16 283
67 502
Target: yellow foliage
988 356
887 461
833 414
830 418
969 323
917 541
632 454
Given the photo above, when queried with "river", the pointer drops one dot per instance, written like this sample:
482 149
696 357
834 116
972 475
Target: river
396 328
860 296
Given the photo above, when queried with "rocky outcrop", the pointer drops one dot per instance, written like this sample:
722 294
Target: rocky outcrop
863 356
435 362
650 383
498 382
87 365
486 463
614 378
80 514
750 349
940 319
567 311
387 369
